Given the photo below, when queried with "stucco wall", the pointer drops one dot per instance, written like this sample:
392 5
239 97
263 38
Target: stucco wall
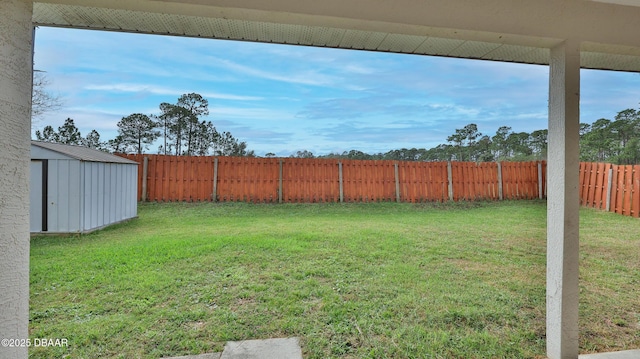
16 39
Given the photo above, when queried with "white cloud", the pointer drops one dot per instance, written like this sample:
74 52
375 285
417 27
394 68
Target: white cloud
309 77
159 90
268 114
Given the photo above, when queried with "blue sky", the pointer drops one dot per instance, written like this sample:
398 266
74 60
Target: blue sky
283 99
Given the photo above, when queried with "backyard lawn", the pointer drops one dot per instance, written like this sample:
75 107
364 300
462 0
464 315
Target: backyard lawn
375 280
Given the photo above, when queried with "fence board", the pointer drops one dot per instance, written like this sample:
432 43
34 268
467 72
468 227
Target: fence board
617 190
628 174
635 192
583 180
593 174
166 179
597 198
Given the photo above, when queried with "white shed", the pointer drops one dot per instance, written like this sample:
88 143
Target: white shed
78 190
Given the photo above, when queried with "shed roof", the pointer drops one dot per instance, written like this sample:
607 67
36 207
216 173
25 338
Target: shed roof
82 153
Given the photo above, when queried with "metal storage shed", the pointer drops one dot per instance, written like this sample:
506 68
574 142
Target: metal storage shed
78 190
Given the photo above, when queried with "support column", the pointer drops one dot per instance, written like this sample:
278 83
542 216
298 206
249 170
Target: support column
16 65
563 202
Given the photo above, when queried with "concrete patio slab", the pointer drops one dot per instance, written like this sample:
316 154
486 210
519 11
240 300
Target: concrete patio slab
627 354
284 348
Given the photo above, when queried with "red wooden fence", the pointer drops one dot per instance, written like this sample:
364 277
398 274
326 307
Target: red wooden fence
611 187
181 178
184 178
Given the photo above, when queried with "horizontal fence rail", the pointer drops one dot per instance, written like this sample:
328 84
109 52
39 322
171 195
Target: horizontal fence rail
164 178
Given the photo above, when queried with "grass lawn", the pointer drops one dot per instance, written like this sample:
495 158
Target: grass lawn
378 280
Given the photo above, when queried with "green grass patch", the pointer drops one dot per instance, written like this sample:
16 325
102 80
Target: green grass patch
377 280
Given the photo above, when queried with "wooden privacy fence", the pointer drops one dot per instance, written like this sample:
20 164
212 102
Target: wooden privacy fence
611 187
182 178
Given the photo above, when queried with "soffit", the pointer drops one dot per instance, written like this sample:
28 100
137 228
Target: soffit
348 34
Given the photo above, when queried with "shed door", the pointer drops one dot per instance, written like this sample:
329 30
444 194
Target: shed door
37 197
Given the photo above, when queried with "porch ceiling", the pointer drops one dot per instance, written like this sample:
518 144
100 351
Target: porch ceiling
496 30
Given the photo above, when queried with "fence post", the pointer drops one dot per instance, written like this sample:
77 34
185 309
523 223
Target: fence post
500 193
340 180
609 187
395 165
145 171
214 195
450 178
540 180
280 182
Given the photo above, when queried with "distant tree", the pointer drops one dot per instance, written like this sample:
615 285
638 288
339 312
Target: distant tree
69 134
48 134
441 152
117 145
205 138
303 154
626 126
518 146
270 155
464 141
482 150
172 123
584 129
630 154
138 131
181 128
92 140
164 121
616 141
472 134
405 154
499 143
356 155
194 106
240 149
457 143
598 142
227 145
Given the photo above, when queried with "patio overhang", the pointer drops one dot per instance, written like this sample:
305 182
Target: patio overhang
505 30
565 34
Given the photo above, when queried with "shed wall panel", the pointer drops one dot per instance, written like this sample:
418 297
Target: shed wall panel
110 193
64 196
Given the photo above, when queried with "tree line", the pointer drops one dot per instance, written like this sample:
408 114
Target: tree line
178 125
182 132
615 141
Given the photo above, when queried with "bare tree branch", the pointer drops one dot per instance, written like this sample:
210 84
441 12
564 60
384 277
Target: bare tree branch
42 101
